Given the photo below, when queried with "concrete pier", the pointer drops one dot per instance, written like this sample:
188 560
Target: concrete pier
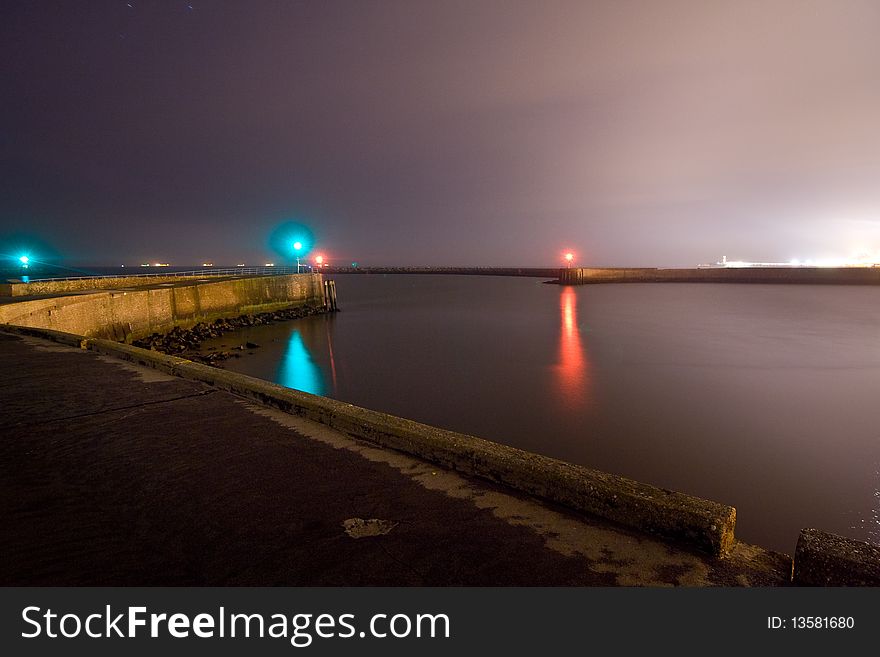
123 311
119 474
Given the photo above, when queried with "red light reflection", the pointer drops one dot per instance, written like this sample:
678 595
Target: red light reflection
573 371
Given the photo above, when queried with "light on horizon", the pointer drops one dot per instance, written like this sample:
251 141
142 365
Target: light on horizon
855 261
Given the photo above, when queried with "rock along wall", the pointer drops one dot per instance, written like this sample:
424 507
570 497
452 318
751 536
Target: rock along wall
135 313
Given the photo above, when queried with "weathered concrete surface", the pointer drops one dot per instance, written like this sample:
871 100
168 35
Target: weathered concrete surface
116 474
59 286
132 313
794 275
704 524
823 559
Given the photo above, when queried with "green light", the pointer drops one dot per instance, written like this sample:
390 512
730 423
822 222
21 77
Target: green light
24 260
297 246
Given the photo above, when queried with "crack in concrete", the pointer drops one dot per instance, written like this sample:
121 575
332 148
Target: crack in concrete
114 409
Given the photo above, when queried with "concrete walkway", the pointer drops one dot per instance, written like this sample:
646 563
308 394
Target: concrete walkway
115 474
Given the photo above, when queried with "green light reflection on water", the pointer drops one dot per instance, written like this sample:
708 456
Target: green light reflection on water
297 370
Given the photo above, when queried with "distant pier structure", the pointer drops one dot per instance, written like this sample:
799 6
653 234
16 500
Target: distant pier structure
790 275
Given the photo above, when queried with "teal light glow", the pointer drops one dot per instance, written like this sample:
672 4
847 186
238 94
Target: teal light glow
297 369
24 260
292 239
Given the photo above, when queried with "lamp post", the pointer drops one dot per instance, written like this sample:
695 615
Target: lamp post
297 247
24 260
568 258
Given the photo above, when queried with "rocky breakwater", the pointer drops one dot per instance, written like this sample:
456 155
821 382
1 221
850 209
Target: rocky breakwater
186 342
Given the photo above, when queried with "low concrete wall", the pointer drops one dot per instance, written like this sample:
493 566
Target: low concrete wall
823 559
795 275
35 288
132 314
706 525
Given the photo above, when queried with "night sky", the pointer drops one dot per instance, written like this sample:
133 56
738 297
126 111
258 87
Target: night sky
445 132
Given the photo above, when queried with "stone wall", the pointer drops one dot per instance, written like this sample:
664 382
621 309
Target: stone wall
135 313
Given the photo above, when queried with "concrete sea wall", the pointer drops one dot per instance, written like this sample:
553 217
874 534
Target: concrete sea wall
129 314
59 286
796 275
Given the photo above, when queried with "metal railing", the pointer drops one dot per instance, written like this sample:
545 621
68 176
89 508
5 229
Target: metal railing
196 273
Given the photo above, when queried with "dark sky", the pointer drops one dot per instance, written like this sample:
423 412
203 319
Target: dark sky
443 132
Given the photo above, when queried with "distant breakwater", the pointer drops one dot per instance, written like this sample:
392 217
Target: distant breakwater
536 272
766 275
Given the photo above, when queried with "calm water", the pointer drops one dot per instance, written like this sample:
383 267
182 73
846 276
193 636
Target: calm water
763 397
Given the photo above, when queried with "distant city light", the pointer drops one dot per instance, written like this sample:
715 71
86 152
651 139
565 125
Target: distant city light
856 261
269 264
207 264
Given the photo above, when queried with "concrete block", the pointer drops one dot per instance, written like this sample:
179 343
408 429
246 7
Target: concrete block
823 559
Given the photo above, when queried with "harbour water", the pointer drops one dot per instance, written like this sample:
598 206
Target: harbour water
760 396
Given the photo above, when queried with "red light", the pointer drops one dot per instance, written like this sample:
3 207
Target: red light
319 259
